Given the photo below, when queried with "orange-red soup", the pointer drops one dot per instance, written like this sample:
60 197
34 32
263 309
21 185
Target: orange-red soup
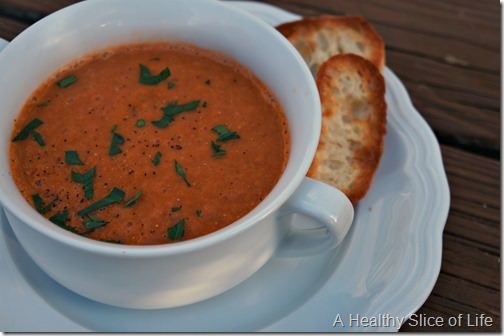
183 142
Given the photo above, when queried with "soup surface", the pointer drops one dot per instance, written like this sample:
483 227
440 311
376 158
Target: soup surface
149 144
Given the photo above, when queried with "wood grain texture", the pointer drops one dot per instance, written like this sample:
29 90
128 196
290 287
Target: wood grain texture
33 9
447 55
10 28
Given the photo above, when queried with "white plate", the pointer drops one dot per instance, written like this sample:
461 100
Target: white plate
388 264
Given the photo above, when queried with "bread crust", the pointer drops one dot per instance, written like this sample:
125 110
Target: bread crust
354 122
319 38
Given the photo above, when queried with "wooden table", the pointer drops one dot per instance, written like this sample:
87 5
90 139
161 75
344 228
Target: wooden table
447 53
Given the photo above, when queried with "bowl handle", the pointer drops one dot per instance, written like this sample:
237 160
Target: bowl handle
317 218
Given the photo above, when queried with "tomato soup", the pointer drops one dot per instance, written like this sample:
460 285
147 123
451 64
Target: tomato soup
149 144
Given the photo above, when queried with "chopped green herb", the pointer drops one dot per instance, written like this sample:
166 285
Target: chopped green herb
198 212
117 140
171 85
224 133
115 196
176 232
208 82
86 180
28 129
176 209
132 201
156 160
60 219
172 109
38 138
40 206
217 150
147 78
92 223
67 81
140 123
43 103
85 177
181 172
72 158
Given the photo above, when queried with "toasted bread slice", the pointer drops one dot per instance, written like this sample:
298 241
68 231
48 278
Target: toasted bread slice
319 38
354 119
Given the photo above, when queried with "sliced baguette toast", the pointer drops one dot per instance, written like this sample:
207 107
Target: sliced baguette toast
352 92
319 38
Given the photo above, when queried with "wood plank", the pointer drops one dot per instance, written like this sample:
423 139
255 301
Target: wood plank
436 74
475 199
474 184
10 28
36 9
415 15
468 294
474 232
439 48
304 8
467 262
459 122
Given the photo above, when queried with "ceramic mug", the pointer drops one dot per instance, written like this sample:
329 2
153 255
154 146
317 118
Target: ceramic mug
171 275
